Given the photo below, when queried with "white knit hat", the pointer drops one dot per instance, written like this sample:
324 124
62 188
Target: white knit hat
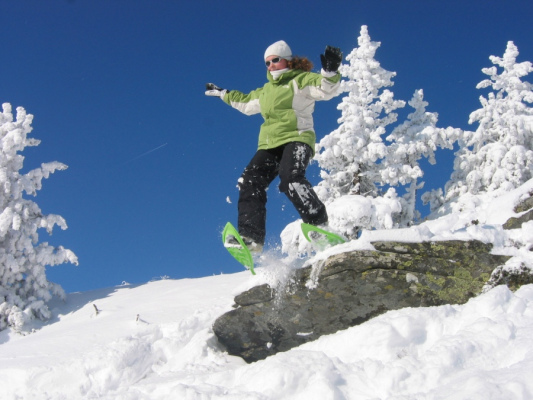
280 48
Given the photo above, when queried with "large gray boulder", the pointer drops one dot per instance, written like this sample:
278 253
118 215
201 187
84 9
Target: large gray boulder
350 288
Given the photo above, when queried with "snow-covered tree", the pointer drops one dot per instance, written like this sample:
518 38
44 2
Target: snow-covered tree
415 138
24 289
499 154
349 155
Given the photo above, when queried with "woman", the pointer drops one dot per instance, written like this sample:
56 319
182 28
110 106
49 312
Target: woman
286 138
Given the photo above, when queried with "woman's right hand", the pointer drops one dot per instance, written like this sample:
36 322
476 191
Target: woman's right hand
213 90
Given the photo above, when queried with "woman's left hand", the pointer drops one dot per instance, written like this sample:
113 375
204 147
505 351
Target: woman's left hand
331 59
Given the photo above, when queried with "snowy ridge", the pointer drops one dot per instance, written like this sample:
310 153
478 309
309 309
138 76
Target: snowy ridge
480 350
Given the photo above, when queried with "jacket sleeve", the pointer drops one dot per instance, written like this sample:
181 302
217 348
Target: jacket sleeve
246 103
322 86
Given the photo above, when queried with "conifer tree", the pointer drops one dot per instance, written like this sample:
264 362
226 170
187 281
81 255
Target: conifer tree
412 140
349 155
24 289
499 154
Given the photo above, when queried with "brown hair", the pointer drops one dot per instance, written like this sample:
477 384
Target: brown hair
302 63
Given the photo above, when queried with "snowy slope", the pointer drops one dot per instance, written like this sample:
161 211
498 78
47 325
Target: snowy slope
136 330
154 341
480 350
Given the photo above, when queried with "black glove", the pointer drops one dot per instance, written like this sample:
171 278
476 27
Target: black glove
331 59
213 90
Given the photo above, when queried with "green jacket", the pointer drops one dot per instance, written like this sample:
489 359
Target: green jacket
287 106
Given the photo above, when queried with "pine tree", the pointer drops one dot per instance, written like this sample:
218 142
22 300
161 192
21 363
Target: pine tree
499 154
24 289
415 138
349 155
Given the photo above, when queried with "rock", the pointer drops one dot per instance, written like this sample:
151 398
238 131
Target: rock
525 205
350 288
513 279
516 222
526 208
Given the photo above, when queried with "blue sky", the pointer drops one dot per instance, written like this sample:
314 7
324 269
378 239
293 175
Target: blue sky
116 88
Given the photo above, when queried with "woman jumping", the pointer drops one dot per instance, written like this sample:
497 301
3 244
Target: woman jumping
286 137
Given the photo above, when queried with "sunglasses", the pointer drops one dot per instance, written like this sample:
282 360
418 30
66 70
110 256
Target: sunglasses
273 61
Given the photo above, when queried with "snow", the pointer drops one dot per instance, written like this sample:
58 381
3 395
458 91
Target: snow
155 341
483 349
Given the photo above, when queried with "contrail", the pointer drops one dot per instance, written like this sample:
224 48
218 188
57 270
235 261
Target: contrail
145 154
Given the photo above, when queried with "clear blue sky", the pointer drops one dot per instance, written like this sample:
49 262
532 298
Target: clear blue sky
117 91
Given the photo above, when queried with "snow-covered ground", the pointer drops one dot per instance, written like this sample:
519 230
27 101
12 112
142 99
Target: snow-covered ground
155 341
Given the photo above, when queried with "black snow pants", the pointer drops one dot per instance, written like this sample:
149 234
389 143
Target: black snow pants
289 162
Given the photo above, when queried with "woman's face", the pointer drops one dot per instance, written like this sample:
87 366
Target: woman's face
274 66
